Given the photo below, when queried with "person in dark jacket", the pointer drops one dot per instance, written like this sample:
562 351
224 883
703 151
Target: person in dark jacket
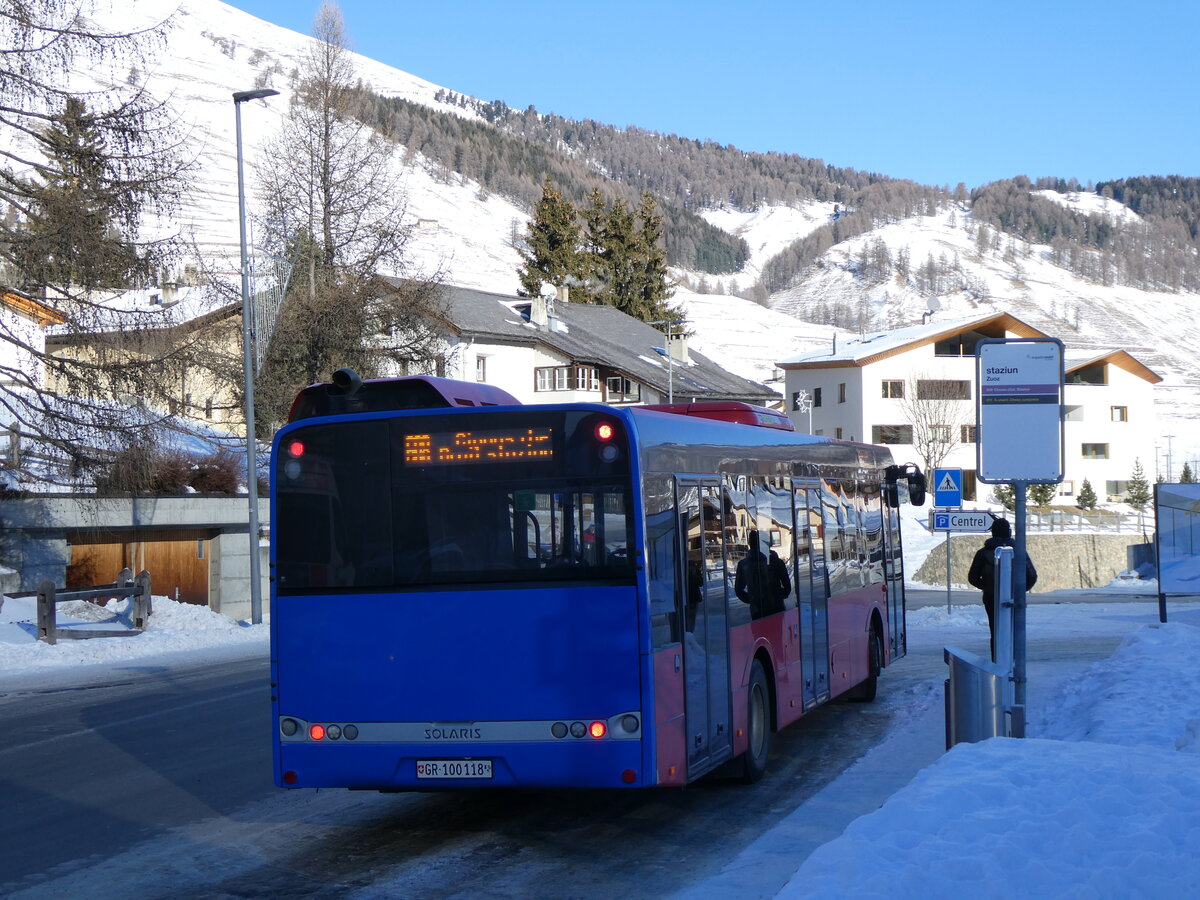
982 574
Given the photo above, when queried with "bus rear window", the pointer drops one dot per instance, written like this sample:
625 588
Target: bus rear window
414 501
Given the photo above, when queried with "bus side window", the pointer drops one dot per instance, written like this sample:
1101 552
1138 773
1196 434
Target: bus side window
661 554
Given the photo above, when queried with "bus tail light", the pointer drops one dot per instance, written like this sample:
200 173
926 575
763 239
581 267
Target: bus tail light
290 777
597 729
316 732
629 776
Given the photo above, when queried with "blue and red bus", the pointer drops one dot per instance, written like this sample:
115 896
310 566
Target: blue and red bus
484 593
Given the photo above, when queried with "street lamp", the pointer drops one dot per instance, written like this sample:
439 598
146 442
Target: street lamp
240 97
802 402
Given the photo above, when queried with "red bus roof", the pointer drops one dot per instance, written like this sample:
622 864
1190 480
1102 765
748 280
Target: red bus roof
729 411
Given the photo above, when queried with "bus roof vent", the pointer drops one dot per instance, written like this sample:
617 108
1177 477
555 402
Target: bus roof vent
348 394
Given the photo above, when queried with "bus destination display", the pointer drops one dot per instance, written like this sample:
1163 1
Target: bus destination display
453 448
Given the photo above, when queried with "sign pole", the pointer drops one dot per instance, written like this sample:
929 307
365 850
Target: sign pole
1018 581
947 571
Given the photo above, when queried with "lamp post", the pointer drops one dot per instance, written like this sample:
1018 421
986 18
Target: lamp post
802 402
240 97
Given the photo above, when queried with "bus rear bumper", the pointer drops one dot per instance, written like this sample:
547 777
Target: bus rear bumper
581 763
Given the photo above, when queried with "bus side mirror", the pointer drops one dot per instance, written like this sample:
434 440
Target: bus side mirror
916 487
916 484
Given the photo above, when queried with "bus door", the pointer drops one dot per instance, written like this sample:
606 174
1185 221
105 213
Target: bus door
706 631
812 594
894 579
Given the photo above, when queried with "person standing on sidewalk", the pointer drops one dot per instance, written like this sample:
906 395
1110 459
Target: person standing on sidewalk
982 574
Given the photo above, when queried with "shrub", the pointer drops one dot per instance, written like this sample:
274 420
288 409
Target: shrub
217 473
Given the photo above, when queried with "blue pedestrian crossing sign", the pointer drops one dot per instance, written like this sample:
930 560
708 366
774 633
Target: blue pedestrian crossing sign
947 487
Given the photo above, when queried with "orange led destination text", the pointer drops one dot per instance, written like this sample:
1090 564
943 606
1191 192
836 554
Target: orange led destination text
484 446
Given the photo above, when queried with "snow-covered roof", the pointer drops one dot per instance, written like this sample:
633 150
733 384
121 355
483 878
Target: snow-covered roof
594 333
870 348
1073 361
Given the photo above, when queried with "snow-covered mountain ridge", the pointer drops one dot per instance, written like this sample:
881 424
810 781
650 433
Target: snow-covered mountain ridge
213 50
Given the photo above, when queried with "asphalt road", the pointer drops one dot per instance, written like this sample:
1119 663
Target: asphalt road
159 785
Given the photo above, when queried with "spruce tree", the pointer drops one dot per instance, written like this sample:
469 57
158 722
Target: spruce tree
617 260
551 254
1137 494
75 207
1042 494
653 291
1087 496
1186 476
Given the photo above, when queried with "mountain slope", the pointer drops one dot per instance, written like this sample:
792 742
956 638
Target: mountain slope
214 50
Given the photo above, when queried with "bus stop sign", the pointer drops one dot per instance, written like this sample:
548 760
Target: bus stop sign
947 487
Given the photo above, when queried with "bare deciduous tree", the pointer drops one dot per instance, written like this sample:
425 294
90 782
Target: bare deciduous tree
938 410
330 194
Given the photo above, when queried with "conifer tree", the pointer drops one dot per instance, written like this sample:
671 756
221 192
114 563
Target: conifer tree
551 254
653 290
71 235
617 258
1137 494
1186 476
1042 494
1087 496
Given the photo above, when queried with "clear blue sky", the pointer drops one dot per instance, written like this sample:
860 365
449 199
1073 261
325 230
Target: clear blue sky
932 90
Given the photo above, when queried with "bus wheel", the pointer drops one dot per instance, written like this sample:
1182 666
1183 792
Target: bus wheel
758 726
866 691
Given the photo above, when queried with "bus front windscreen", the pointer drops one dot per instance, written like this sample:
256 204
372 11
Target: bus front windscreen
439 499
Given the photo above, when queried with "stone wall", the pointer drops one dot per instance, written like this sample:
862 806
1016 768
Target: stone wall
1063 561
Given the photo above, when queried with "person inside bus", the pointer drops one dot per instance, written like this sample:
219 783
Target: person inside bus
982 574
761 581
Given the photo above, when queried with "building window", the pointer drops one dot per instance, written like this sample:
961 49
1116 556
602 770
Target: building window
481 368
587 378
932 389
940 433
1094 451
561 378
622 390
893 390
842 392
1066 489
837 433
816 396
1115 489
208 408
820 432
1089 375
891 434
1073 414
969 434
1120 413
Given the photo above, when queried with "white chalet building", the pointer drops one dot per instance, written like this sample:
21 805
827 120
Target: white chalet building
916 386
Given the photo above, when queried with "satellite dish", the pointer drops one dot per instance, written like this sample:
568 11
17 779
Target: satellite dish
934 304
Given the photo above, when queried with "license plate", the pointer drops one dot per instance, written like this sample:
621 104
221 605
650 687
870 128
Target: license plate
454 768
